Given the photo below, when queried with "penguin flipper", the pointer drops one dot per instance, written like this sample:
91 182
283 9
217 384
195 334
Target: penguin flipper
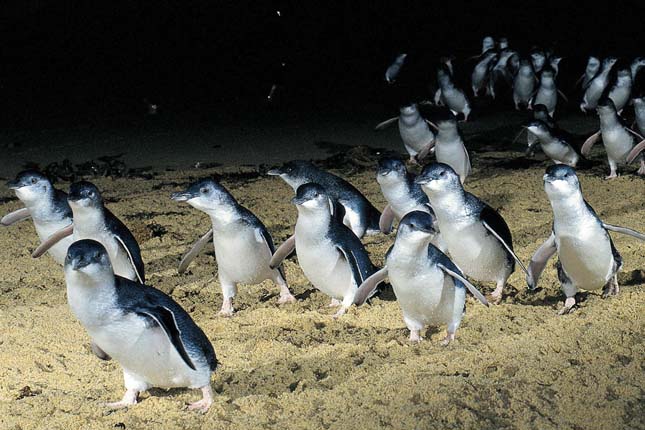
385 124
508 248
102 355
350 257
425 151
386 220
263 236
563 96
586 147
283 252
165 318
367 288
53 240
539 260
457 277
194 251
624 230
15 216
137 270
634 133
635 151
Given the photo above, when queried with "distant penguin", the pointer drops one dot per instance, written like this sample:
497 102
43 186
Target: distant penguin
451 96
360 215
524 84
538 60
331 256
553 144
587 258
636 66
620 90
395 68
481 73
154 340
547 92
541 113
592 69
449 147
243 246
414 130
429 287
45 205
597 85
92 220
488 43
479 240
618 139
554 63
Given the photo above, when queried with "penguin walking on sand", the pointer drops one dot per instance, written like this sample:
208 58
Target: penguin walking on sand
92 220
451 96
45 205
153 339
547 92
430 289
554 144
481 73
331 256
478 239
449 147
414 129
243 246
587 257
596 87
620 90
524 84
360 215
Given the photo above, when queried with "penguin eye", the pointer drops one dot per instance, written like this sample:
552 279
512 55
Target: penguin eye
34 180
443 173
204 190
90 194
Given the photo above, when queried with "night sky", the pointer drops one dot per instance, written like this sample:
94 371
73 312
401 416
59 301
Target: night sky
66 56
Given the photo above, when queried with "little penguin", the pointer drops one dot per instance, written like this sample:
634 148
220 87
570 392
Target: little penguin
395 68
553 143
547 92
597 85
592 68
639 110
541 113
47 207
360 215
331 256
430 289
524 84
92 220
451 96
449 146
618 139
243 246
620 90
481 73
154 340
478 239
403 195
587 257
414 130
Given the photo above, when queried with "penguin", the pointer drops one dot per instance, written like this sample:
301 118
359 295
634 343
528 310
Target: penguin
92 220
449 147
620 90
597 85
591 70
587 257
502 43
331 256
415 130
402 196
395 68
503 70
637 64
360 215
547 92
429 287
45 205
524 84
538 59
617 138
553 143
451 96
541 113
488 43
478 239
639 113
554 63
243 246
480 75
154 340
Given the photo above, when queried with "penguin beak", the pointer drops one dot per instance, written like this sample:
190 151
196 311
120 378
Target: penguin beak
79 262
182 196
422 180
298 200
384 172
274 172
13 184
548 178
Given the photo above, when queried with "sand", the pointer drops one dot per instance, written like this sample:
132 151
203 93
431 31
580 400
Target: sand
514 365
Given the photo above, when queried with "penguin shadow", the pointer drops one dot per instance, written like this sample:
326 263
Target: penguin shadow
547 300
518 163
635 277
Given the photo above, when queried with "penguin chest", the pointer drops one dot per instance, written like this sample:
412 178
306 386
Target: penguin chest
585 254
546 96
118 256
454 99
620 96
618 142
415 136
424 294
559 152
475 251
242 255
453 153
401 202
523 88
325 267
46 229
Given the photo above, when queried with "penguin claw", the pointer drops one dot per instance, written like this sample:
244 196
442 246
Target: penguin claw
129 399
415 336
569 305
286 299
450 337
205 403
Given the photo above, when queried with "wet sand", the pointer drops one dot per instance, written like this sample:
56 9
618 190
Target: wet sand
514 365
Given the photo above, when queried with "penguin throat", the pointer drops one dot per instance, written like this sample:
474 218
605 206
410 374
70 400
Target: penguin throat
89 219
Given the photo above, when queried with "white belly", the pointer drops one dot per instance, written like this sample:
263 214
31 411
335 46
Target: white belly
454 99
587 261
241 257
326 268
415 137
547 97
617 143
620 96
46 229
560 153
118 256
454 155
523 89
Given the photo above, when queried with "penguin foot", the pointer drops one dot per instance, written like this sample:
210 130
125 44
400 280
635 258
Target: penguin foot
205 403
611 289
286 298
612 175
342 311
129 399
415 336
569 304
496 296
334 303
227 309
450 337
641 170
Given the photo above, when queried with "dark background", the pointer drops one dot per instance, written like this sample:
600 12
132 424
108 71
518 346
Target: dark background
67 57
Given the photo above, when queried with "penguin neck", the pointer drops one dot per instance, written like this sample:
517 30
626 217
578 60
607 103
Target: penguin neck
448 204
447 135
608 120
89 296
567 208
89 219
41 209
223 216
312 224
410 118
394 190
407 248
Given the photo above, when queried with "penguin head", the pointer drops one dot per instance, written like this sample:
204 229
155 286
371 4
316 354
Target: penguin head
443 75
438 177
526 66
30 185
487 43
417 226
205 194
503 43
593 62
537 56
606 106
624 74
639 102
87 257
409 109
538 127
609 62
84 194
446 120
294 172
541 112
547 74
561 180
312 197
389 170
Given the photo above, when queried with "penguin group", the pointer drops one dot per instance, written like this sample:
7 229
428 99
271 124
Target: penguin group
447 239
